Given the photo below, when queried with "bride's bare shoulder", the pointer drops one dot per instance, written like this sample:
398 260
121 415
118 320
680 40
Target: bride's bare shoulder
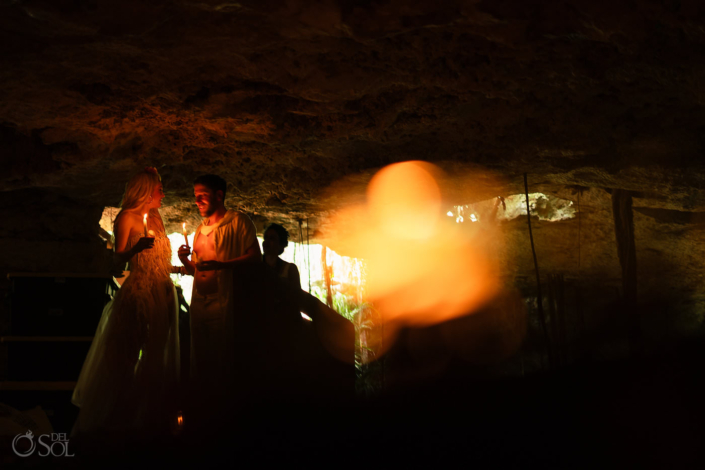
127 219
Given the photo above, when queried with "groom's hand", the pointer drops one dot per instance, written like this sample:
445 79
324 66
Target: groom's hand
211 265
184 252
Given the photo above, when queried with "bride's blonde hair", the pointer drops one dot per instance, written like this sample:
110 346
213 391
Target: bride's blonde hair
138 191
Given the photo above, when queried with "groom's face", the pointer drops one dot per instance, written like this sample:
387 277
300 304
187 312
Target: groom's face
207 201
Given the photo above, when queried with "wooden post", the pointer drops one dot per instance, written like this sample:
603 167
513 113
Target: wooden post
326 276
626 249
552 320
559 295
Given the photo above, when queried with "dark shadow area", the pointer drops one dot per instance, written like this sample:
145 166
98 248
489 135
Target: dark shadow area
441 405
644 413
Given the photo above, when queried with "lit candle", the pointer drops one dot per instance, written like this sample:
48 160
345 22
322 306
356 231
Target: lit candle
185 234
145 225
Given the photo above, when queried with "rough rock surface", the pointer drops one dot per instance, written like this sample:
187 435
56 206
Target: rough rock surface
284 98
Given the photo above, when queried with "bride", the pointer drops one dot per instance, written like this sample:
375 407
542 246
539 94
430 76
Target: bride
128 383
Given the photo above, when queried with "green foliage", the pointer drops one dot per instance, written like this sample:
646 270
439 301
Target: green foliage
369 366
344 304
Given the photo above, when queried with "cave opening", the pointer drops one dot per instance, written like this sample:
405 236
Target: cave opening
544 206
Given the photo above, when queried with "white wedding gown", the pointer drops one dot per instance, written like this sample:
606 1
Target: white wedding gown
129 381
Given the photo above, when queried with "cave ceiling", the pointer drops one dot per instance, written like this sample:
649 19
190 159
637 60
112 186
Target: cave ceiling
284 98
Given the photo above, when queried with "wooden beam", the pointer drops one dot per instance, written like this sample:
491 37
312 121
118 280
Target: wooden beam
43 339
36 386
81 275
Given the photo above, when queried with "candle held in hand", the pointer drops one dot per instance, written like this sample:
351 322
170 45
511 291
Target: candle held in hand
145 225
185 234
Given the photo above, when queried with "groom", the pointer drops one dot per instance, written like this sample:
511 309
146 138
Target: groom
225 240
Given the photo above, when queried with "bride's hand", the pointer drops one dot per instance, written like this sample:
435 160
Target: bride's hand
143 244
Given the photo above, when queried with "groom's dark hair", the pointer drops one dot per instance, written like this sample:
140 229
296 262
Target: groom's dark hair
212 182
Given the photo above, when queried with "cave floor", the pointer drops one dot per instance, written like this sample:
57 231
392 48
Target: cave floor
645 413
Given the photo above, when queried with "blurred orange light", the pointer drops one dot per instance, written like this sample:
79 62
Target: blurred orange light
405 201
421 270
